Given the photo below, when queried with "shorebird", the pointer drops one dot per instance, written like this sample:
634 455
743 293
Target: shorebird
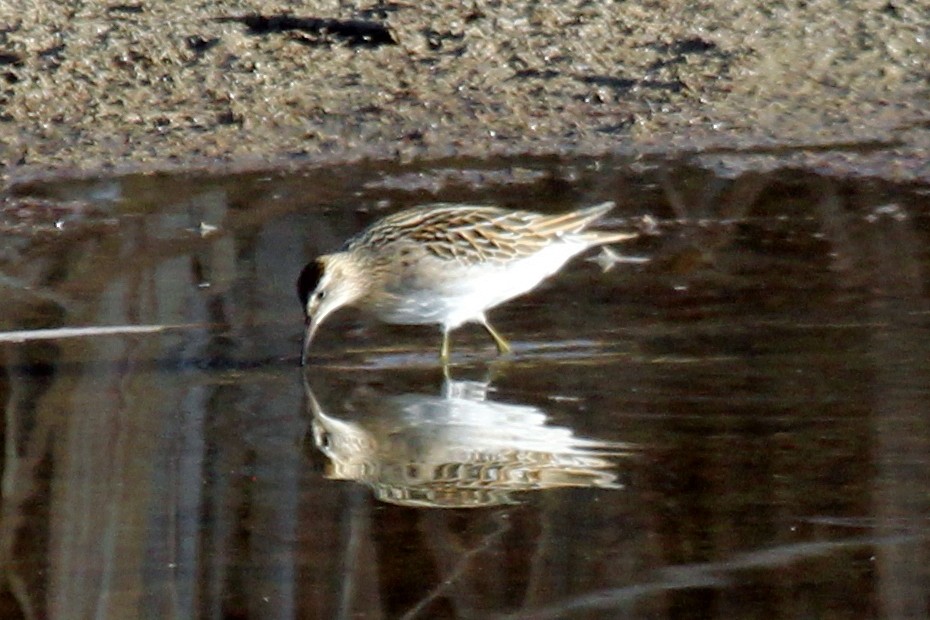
445 264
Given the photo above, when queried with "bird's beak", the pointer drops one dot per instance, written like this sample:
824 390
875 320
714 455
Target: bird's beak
311 325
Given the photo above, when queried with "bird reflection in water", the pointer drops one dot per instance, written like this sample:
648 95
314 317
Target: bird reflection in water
457 449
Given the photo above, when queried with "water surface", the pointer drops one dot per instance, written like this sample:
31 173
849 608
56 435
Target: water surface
737 427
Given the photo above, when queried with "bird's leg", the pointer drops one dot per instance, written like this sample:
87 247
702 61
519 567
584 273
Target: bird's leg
444 348
502 346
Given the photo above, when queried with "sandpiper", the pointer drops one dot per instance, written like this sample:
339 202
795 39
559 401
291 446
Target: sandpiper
445 264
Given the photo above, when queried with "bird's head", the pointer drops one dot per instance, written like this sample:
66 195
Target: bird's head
325 285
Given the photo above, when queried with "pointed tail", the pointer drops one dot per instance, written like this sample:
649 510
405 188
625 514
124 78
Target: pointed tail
573 221
577 221
603 237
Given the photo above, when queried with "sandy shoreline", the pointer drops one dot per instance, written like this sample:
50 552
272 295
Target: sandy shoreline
94 87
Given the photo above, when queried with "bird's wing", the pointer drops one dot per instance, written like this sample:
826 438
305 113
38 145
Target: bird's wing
476 234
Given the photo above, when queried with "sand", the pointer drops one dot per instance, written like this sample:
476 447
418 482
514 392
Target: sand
97 88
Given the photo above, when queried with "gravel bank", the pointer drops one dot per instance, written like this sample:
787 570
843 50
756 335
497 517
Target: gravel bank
93 87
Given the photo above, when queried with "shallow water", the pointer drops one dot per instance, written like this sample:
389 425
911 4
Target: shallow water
739 427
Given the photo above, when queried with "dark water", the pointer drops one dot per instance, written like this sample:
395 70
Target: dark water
739 427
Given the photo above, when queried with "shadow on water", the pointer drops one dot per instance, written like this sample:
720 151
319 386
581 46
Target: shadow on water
736 427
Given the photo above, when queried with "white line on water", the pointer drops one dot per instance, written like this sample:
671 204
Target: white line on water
82 332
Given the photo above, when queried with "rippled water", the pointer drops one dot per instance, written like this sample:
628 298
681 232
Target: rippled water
737 427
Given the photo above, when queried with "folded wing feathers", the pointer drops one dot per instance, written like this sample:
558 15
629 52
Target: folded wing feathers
485 233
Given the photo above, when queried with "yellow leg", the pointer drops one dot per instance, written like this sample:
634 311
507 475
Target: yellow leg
444 349
502 346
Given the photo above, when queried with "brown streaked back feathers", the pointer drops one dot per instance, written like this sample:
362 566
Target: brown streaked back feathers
480 233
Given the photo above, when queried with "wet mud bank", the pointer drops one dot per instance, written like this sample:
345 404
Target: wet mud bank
94 88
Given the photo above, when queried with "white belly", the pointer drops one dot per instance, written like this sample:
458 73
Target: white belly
459 294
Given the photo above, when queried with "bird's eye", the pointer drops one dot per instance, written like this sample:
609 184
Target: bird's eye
320 295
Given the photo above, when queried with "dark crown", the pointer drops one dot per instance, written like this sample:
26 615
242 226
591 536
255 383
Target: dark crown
307 281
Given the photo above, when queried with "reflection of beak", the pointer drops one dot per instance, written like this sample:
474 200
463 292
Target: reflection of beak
308 337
